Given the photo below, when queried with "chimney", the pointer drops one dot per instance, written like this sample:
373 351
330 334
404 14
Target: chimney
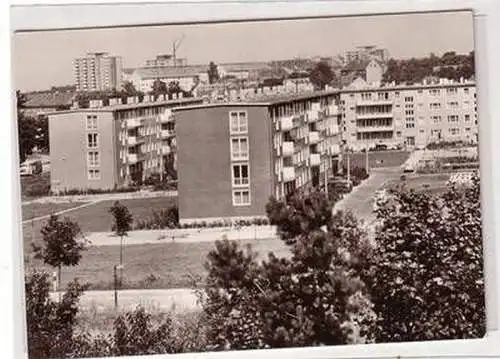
174 96
146 98
130 99
181 95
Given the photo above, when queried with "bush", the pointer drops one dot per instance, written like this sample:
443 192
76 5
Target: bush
427 279
162 219
314 298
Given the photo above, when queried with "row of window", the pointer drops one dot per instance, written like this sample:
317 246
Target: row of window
240 172
385 95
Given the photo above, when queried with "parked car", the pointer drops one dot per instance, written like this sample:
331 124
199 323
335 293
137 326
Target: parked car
408 168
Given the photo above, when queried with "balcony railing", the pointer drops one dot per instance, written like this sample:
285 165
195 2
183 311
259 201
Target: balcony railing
374 128
286 123
165 149
167 133
334 150
134 140
314 159
373 102
133 122
360 116
288 174
313 137
312 116
133 157
287 148
166 116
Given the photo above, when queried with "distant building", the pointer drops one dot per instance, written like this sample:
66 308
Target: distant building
187 76
104 147
98 72
371 71
233 156
408 116
41 103
166 61
365 53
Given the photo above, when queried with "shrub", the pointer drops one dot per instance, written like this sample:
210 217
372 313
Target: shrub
427 276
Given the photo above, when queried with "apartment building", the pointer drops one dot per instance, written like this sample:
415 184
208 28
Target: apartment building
104 147
187 76
363 53
233 156
98 72
408 116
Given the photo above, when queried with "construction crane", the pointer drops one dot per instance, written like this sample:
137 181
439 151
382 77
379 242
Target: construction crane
175 46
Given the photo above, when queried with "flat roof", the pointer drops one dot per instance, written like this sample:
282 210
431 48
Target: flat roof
123 107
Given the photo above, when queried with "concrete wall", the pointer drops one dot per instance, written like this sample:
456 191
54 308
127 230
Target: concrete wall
69 152
204 163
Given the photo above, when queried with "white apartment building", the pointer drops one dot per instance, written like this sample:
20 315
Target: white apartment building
408 116
98 72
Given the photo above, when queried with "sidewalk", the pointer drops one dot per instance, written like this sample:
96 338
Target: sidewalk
102 197
192 235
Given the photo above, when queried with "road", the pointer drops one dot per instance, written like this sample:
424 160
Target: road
360 200
181 300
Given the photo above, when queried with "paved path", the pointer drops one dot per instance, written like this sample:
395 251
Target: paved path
60 212
360 200
180 300
182 235
103 197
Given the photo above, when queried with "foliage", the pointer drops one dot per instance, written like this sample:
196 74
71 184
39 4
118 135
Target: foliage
450 65
213 73
63 243
321 75
137 333
160 87
49 324
316 297
122 219
427 277
26 128
164 218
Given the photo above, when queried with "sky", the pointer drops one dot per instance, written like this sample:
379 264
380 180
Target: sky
44 59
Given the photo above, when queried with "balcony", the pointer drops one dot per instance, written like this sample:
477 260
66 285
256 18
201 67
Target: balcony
287 148
133 123
333 110
373 102
286 123
134 140
333 130
165 150
288 174
314 159
313 138
132 157
361 116
334 150
312 116
167 133
166 116
374 128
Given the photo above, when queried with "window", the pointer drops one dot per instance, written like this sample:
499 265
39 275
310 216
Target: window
467 118
241 198
239 148
366 96
434 92
436 119
435 105
453 104
91 122
93 159
239 123
240 175
453 118
94 174
466 90
454 131
452 90
409 112
92 140
409 99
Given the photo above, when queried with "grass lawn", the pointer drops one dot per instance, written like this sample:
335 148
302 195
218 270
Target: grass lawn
96 218
154 266
34 210
379 159
433 183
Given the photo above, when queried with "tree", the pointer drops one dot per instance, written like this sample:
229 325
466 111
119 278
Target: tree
321 75
26 128
63 244
129 89
315 297
49 324
427 276
213 73
122 223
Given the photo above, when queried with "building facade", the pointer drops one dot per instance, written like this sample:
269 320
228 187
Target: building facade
111 146
409 116
187 76
98 72
246 152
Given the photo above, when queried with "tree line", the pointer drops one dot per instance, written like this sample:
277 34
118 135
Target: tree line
418 276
